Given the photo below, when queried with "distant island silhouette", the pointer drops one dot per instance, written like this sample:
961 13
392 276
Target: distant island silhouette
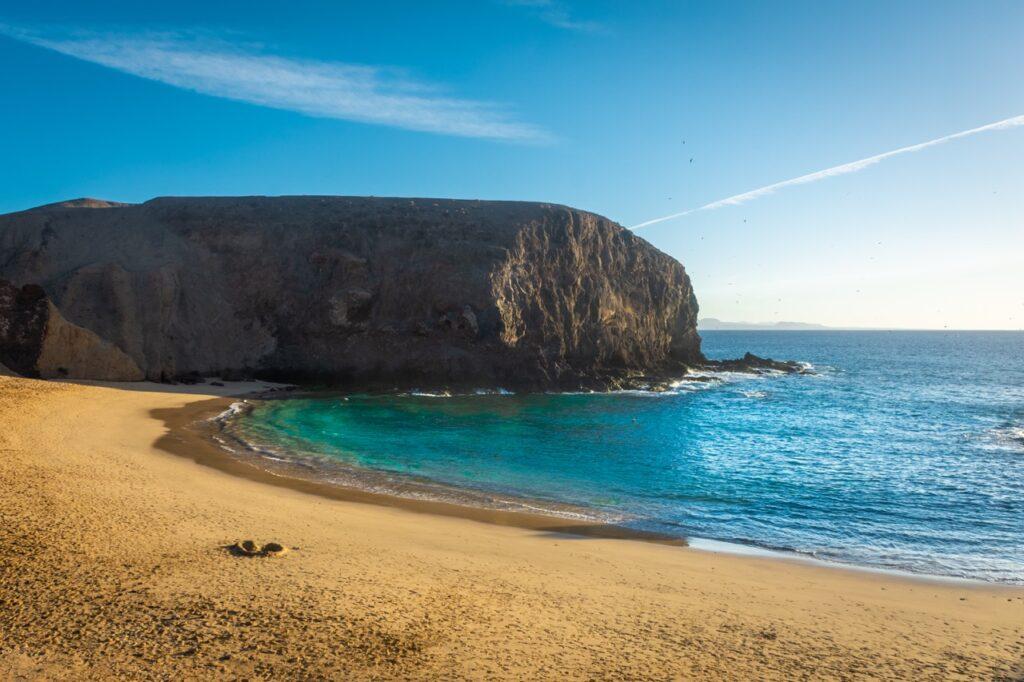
713 324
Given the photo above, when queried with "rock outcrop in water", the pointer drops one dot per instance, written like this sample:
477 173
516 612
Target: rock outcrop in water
354 291
756 365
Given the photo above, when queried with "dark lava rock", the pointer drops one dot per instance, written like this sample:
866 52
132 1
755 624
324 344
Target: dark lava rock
36 341
358 291
754 364
23 316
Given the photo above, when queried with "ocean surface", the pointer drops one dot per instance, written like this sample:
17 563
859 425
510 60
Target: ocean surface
904 451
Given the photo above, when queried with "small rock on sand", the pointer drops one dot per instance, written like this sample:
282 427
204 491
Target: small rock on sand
252 548
246 547
274 549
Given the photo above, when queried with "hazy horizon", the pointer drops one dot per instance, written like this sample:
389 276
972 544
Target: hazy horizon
716 324
851 166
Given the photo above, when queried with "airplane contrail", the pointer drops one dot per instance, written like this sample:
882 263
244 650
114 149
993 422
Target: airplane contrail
845 168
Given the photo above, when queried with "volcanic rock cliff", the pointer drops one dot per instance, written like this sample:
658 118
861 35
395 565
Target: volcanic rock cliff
358 291
36 340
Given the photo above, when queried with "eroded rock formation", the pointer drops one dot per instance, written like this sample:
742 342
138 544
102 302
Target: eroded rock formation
360 290
36 341
23 313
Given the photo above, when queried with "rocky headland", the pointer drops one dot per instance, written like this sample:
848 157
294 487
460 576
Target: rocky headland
341 291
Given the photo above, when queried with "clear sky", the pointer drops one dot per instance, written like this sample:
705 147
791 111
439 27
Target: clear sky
598 104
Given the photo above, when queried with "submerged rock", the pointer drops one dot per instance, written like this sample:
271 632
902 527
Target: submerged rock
350 291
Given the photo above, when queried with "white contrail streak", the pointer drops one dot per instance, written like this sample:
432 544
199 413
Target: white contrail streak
851 167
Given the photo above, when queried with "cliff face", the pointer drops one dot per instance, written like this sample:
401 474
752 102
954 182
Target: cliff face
37 341
23 314
360 290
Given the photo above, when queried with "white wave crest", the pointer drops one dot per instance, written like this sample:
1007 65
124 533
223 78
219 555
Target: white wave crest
1009 435
234 410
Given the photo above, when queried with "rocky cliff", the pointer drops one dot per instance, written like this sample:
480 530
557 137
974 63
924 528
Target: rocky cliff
359 290
36 340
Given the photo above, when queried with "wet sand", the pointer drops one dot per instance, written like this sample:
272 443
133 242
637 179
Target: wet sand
113 563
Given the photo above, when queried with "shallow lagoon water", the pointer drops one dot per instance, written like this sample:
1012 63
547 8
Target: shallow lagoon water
905 450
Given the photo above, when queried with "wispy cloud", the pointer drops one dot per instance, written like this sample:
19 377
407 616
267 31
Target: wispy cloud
247 73
557 14
844 169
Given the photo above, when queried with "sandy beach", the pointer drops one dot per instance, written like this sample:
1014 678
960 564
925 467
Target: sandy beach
113 563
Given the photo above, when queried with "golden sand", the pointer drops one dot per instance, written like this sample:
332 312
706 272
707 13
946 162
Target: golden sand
116 562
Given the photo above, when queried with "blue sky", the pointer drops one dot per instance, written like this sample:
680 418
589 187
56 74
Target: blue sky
600 105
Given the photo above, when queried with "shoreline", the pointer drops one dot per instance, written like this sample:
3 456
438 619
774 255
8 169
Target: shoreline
189 434
115 566
186 437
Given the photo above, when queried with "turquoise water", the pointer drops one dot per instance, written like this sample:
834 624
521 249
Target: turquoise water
905 451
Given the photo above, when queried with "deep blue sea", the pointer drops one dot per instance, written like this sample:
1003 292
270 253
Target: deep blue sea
905 450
